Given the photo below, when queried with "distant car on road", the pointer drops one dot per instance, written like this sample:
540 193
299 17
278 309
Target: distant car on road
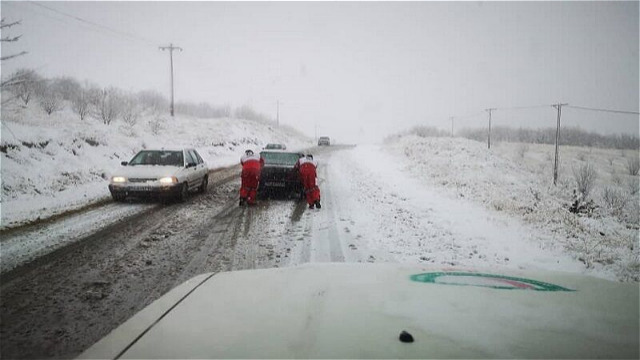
163 173
275 147
278 173
324 140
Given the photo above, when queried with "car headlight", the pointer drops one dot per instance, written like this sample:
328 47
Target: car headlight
168 180
119 179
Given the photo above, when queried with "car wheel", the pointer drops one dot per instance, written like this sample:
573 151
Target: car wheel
205 184
184 193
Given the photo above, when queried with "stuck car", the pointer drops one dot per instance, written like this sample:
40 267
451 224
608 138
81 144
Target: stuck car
279 174
161 173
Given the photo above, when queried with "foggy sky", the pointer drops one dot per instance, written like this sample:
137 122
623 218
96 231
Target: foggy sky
358 71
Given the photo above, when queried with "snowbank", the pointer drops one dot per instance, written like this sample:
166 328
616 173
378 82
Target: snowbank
519 183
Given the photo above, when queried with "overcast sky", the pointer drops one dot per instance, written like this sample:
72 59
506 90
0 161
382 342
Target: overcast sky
358 71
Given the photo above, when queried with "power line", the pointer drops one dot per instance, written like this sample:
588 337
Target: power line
92 23
523 107
604 110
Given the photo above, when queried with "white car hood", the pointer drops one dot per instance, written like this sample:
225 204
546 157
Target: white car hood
359 311
147 171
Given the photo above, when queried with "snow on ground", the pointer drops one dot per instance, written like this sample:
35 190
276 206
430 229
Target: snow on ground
387 214
52 164
521 187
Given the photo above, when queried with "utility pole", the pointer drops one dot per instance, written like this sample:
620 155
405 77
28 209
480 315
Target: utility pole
555 162
489 135
171 48
451 126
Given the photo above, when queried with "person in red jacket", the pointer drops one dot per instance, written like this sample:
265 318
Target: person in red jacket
307 169
251 167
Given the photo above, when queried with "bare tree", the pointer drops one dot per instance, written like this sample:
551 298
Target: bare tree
25 84
67 87
80 104
13 80
107 104
50 100
7 39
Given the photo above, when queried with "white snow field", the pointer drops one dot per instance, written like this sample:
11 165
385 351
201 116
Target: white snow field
512 185
53 164
382 213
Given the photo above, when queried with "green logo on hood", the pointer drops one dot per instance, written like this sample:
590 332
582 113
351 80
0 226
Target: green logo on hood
485 280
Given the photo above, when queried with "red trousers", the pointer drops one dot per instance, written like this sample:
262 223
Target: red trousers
308 178
249 188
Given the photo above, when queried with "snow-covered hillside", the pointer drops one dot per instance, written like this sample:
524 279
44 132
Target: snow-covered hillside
518 182
52 164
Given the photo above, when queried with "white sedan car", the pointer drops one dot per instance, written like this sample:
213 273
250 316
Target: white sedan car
163 173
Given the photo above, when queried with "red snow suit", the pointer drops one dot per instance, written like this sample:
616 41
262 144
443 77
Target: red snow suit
307 169
251 167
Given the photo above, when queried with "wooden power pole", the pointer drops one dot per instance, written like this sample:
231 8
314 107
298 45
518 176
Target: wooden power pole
489 134
555 162
171 48
451 126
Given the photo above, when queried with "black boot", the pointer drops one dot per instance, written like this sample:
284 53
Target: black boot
242 200
318 204
311 206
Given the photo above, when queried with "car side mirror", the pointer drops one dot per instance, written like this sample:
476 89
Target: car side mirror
124 163
191 164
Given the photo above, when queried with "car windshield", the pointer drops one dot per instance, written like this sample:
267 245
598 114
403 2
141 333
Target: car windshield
158 157
279 158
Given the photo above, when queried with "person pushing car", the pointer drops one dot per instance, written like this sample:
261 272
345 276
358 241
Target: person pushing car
307 169
251 167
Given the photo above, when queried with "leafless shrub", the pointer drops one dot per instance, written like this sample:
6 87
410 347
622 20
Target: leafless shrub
130 111
616 179
585 176
633 184
155 125
107 105
614 199
633 165
611 159
522 149
80 104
